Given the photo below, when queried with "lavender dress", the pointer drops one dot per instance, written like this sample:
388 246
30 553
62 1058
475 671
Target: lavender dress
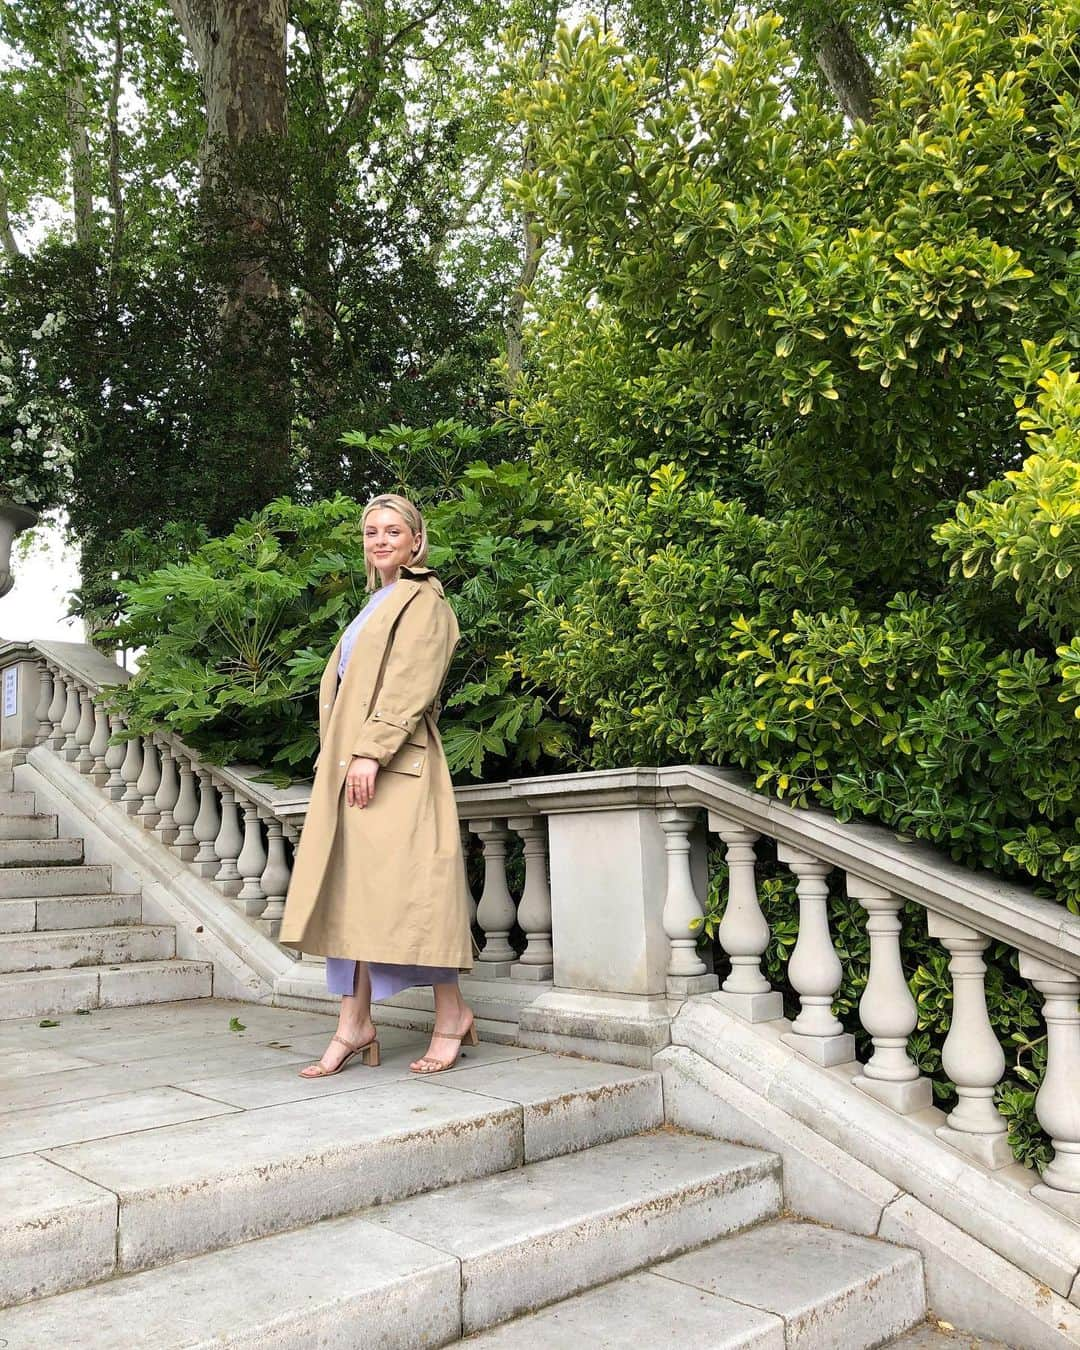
386 979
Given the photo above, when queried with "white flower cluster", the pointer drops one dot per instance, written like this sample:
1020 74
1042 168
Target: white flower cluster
37 435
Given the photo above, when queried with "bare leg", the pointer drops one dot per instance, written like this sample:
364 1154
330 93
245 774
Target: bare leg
453 1019
354 1020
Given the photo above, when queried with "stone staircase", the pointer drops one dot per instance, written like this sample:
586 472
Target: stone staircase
168 1180
68 940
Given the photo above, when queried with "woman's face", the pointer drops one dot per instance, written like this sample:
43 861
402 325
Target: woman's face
388 541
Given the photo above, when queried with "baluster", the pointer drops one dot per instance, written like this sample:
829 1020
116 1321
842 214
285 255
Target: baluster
534 911
45 696
814 969
131 772
148 784
165 797
186 812
971 1055
275 876
84 731
114 759
57 709
251 898
887 1009
70 720
743 933
228 844
99 745
683 912
1057 1103
206 827
495 912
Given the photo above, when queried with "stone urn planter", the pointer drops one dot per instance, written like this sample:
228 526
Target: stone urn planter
14 518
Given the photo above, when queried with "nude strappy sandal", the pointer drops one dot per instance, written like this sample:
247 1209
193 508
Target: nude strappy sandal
441 1065
368 1052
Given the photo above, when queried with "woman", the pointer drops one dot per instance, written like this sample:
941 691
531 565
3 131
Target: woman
378 883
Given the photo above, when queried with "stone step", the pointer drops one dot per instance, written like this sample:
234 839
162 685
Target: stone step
185 1189
39 852
27 825
65 948
488 1249
43 993
40 913
7 780
16 803
782 1285
87 879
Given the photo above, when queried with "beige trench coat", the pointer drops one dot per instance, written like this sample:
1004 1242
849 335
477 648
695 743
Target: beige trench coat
385 882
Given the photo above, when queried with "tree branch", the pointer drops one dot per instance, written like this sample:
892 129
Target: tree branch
116 196
847 72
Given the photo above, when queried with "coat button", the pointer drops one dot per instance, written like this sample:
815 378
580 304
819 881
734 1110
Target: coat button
341 763
416 763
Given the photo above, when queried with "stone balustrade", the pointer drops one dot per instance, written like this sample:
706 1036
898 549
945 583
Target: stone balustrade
592 899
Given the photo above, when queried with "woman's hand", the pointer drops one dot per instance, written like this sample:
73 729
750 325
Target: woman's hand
360 781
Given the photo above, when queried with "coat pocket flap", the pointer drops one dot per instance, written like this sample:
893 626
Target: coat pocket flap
409 759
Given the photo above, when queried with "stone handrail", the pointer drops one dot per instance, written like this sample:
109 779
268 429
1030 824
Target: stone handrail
615 870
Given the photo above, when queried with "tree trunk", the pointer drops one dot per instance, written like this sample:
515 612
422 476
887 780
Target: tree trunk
82 186
847 71
531 250
7 237
240 49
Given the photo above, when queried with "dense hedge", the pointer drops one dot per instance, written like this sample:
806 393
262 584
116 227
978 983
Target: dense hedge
790 482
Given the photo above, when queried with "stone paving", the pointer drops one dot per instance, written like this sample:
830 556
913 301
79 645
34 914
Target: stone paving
167 1167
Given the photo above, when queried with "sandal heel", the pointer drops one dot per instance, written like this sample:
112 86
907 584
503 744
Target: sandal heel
471 1038
369 1055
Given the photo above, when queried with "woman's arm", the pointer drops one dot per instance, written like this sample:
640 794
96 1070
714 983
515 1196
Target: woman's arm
421 646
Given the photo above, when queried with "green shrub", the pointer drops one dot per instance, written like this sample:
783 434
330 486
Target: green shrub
238 634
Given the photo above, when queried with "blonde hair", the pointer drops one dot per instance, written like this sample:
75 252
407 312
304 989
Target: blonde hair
410 514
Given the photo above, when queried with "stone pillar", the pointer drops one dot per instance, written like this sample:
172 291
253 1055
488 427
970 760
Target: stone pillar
44 703
70 720
608 885
228 844
84 731
20 692
206 827
971 1055
275 877
114 760
186 812
534 912
743 933
251 898
99 746
1057 1104
166 797
683 912
495 912
57 709
130 773
887 1009
814 968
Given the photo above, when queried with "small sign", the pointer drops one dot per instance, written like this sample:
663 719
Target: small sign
11 691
